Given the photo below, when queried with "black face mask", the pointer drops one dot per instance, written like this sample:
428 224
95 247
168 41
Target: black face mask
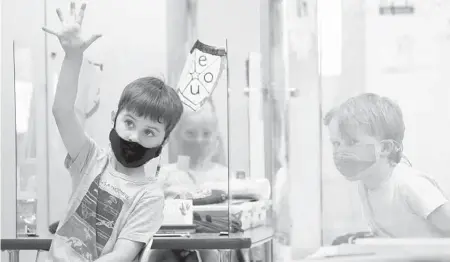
131 154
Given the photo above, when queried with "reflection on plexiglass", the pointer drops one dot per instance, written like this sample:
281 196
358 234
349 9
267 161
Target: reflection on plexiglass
26 143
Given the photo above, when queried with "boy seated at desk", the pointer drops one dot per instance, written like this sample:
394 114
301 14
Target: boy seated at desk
398 201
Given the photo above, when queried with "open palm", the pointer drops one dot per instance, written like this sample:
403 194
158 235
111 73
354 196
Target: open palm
70 34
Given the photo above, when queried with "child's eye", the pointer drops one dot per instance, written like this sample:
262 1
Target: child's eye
190 134
336 144
352 142
149 132
206 134
129 123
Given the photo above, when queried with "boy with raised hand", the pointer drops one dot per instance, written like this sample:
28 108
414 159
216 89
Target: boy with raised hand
115 208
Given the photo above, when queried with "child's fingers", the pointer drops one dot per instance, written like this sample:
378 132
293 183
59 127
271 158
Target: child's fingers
45 29
81 14
60 15
72 8
92 39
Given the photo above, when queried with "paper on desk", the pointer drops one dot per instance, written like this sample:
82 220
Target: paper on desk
324 252
343 250
178 212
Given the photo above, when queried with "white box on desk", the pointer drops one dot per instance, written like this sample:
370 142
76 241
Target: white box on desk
178 212
251 214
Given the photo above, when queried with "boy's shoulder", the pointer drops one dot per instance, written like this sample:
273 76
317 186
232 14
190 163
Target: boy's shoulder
403 171
153 189
407 177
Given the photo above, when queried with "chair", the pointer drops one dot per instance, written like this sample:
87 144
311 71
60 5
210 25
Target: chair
145 255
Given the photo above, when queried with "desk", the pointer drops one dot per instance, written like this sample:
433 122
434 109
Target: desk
249 238
428 250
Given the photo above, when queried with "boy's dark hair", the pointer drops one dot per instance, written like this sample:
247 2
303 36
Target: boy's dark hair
151 98
377 116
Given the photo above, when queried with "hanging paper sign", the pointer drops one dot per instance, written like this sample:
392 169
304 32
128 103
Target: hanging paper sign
200 74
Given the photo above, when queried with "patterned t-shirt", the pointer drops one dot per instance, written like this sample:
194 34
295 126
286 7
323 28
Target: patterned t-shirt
105 206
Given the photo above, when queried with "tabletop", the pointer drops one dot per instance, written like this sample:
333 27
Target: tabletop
249 238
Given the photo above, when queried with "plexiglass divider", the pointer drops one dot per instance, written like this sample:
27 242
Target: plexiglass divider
30 121
216 173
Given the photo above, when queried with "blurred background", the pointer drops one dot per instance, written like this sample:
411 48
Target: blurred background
289 62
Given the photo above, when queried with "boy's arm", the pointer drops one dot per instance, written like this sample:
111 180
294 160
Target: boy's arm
70 129
73 45
428 201
440 218
143 223
124 250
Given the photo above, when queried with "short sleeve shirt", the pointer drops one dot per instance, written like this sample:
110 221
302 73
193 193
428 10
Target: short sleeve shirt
400 207
105 206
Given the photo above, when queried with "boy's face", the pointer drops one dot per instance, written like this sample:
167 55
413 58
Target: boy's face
356 156
141 130
357 137
198 135
200 126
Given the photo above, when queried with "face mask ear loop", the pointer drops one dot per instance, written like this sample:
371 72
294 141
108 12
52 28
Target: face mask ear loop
115 118
402 155
158 167
399 149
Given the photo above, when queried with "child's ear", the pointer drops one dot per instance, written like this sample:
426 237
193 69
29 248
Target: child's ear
387 147
113 117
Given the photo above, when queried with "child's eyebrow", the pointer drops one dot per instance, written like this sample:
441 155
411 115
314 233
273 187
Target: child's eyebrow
130 116
154 128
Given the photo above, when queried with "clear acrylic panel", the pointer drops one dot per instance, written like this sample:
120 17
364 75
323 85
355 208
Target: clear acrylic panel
279 133
227 142
31 108
400 51
26 141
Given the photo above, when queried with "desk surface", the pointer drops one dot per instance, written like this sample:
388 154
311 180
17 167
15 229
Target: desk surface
247 239
380 252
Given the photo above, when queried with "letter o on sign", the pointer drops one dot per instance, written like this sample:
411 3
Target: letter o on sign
208 77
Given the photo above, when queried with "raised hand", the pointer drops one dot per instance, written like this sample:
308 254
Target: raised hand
70 34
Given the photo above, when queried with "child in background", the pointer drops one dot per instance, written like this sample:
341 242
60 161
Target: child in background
398 201
115 208
197 138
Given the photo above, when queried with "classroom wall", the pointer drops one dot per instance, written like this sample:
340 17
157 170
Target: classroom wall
411 66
